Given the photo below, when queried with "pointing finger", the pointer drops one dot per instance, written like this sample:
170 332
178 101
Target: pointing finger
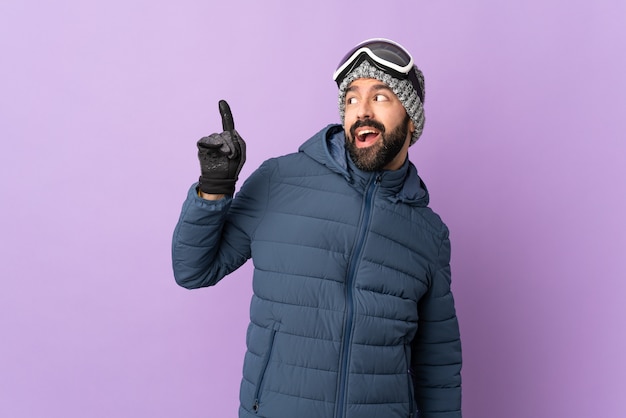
228 124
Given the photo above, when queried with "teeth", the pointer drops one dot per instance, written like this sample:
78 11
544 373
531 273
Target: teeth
365 132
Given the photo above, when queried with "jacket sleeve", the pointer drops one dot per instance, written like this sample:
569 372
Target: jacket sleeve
212 238
436 354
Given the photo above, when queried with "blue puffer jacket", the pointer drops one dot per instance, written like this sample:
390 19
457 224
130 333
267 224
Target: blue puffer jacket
352 314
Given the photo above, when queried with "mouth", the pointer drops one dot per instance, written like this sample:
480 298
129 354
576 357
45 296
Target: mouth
366 136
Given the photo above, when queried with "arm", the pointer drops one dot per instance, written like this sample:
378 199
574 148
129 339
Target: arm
212 237
436 350
196 242
198 257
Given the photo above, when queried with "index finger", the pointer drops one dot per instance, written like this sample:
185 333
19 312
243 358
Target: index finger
228 124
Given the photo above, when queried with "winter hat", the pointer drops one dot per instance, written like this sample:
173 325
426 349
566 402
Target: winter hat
402 88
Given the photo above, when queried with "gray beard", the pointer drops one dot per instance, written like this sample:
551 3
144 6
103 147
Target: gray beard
378 156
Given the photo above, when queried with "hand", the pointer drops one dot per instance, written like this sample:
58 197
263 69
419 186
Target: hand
221 156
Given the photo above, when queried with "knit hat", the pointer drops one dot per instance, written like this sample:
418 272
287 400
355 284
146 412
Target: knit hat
403 89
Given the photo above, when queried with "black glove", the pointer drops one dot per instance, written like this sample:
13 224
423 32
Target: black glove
221 156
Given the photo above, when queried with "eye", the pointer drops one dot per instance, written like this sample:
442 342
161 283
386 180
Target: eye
351 100
380 98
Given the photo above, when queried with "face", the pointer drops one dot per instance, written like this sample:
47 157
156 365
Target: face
378 129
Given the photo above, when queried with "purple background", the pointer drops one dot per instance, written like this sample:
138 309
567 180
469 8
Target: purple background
100 107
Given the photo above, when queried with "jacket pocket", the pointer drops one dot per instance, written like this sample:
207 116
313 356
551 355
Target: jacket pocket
409 375
266 360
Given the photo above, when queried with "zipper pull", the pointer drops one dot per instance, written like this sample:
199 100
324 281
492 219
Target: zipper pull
255 407
378 179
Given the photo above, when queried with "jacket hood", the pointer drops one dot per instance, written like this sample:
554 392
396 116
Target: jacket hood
327 147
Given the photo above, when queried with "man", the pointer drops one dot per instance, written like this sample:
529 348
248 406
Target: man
352 313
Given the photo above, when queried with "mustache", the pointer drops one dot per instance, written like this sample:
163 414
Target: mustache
369 123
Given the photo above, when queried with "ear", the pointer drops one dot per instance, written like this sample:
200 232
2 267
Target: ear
411 126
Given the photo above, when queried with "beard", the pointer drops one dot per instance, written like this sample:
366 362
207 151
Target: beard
377 156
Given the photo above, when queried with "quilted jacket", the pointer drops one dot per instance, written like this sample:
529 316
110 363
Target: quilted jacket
352 314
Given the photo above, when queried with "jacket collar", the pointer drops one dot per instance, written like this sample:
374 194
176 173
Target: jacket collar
328 148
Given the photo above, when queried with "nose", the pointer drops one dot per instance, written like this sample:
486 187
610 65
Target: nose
365 110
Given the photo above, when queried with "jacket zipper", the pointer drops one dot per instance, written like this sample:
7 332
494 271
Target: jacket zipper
255 406
354 261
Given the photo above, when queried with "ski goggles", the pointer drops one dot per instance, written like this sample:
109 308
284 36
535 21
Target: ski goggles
383 54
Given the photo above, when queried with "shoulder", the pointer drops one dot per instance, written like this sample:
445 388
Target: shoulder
296 164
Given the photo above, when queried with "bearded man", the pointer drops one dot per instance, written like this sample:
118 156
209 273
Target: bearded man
352 314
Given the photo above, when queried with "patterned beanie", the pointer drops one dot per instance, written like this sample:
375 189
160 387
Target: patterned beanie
403 89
